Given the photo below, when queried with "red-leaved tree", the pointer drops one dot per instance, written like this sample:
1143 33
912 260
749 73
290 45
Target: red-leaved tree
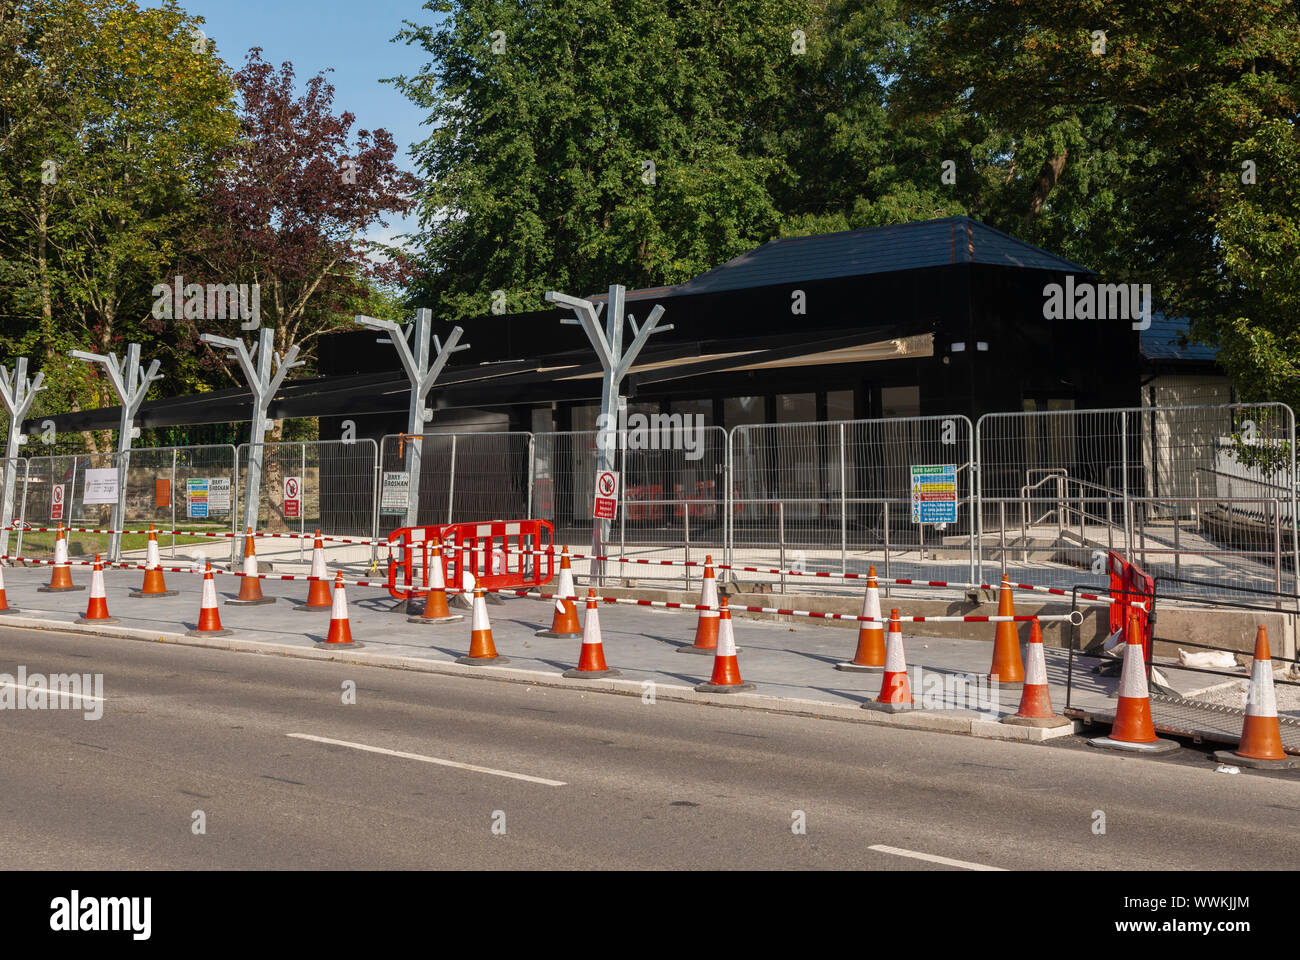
290 212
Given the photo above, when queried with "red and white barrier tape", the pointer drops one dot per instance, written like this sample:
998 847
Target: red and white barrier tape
1074 617
812 574
210 534
1055 591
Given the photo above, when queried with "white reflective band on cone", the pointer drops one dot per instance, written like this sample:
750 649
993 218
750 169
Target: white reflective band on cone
1261 701
340 609
1036 668
1133 678
709 597
894 662
726 639
480 621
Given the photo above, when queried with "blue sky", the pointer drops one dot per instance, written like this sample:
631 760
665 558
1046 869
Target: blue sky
351 36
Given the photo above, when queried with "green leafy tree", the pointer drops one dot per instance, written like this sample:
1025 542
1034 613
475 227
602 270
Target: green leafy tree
113 124
601 142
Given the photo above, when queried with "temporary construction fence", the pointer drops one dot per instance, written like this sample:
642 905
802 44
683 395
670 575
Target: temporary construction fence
1204 493
672 501
464 477
1201 492
840 496
310 485
165 486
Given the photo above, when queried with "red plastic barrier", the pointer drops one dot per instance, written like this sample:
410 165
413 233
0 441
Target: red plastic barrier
501 554
406 542
1129 582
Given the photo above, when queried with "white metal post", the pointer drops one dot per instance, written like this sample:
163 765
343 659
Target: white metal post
422 375
263 387
608 344
130 386
17 392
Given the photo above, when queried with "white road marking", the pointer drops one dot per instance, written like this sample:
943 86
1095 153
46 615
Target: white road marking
931 858
64 694
437 760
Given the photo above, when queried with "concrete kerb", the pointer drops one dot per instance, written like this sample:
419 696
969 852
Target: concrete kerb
954 722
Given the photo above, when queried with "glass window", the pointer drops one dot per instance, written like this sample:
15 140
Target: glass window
739 411
796 407
839 405
900 401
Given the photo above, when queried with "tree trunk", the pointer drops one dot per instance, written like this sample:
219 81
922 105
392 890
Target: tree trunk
1046 180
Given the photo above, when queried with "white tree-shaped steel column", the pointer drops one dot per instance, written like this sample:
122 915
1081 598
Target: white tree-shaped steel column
17 392
608 344
422 375
256 364
130 386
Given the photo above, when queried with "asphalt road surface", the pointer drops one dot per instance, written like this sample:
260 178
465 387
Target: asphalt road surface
427 771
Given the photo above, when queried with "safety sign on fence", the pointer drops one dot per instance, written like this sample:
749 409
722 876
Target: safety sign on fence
934 493
218 496
56 500
162 492
100 486
606 495
196 498
293 496
396 492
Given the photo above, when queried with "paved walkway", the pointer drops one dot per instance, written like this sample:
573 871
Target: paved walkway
793 661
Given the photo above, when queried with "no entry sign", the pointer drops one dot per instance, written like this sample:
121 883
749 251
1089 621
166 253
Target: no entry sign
606 495
293 496
56 501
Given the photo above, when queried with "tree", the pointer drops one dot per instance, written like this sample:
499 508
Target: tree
588 141
289 211
111 118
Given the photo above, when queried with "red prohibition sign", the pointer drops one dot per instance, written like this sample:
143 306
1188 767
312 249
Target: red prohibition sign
291 488
606 484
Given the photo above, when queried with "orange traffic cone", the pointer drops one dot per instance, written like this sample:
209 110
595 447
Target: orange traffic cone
1132 729
726 668
4 603
318 594
706 629
435 601
60 573
209 615
564 622
591 663
481 648
1261 736
154 585
870 657
340 634
1035 699
1007 667
97 608
895 690
250 585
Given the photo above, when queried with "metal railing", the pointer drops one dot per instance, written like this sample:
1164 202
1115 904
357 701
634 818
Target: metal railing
1040 494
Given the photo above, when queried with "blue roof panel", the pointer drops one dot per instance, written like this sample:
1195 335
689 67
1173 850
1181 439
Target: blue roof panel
1166 339
889 249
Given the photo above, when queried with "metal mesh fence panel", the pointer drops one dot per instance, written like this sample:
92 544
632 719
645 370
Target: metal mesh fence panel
170 487
464 477
838 497
1205 493
672 502
336 483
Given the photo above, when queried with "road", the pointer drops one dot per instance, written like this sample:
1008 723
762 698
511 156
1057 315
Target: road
532 778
